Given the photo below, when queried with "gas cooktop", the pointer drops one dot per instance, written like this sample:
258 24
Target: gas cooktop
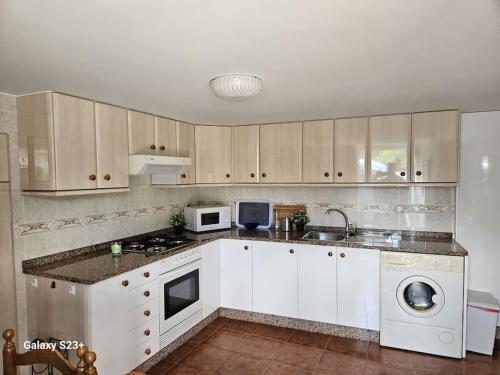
155 245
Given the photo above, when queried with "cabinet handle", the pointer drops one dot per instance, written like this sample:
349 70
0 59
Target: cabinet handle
228 175
147 313
327 174
107 177
92 177
146 274
342 255
292 251
147 351
330 254
419 173
403 174
53 285
125 282
252 175
152 147
162 148
183 175
340 174
147 332
245 247
264 175
147 293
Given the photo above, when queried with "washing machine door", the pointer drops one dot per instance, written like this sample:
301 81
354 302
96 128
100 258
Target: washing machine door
420 296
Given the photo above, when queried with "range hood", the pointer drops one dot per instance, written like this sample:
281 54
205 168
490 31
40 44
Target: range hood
164 169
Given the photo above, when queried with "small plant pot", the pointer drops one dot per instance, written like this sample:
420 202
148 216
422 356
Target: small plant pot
179 229
300 227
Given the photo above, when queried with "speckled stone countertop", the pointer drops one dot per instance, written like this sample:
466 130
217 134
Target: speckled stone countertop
91 264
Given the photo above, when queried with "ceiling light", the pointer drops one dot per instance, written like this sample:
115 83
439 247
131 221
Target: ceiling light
236 86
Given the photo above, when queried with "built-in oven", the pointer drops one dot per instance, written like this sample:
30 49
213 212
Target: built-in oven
180 291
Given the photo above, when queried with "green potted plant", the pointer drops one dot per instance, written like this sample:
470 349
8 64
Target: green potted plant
300 219
178 221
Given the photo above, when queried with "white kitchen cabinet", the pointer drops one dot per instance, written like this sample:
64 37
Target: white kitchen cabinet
358 287
211 277
275 278
317 283
236 274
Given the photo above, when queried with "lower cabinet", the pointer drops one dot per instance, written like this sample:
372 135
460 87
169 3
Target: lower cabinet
211 277
236 274
358 288
275 278
317 282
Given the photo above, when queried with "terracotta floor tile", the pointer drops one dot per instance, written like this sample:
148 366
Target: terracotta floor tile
185 370
305 357
240 326
219 322
355 348
277 333
436 365
374 368
204 334
309 338
281 369
206 358
389 356
240 364
181 352
339 364
481 369
161 368
255 346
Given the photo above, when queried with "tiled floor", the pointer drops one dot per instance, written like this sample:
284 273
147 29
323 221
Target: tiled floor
230 347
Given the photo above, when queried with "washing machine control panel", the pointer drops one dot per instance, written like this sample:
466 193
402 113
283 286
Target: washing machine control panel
423 262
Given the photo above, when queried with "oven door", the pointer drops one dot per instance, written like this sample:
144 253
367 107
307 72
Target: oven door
180 295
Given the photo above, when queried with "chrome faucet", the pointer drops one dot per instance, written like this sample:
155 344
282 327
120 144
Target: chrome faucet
348 226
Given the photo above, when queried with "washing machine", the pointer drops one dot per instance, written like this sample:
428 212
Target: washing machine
422 303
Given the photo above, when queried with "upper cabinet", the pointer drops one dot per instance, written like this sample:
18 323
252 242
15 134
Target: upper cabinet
281 153
389 148
317 151
351 140
435 146
165 136
141 134
213 154
112 146
4 158
246 154
186 148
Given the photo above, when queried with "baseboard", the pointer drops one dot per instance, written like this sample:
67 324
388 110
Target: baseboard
498 333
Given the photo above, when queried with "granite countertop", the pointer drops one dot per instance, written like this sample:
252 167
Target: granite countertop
91 264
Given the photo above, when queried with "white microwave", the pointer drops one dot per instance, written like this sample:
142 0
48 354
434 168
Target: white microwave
205 218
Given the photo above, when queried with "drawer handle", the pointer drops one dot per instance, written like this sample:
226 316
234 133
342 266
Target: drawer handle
53 285
147 332
92 177
152 147
419 173
342 255
403 174
327 174
147 351
264 175
340 174
228 175
162 148
183 175
252 175
245 247
147 293
330 254
107 177
146 274
125 283
147 313
292 251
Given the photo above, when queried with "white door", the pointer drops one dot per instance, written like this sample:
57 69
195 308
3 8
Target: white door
317 281
236 274
358 288
211 277
275 278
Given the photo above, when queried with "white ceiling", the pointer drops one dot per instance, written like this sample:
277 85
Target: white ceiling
318 59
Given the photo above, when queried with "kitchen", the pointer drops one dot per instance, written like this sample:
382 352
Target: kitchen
392 203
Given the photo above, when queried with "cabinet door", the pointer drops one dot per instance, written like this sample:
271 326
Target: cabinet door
246 154
213 154
317 283
317 151
351 137
75 143
165 136
211 277
112 146
141 134
358 288
186 148
435 146
281 153
4 158
389 147
275 278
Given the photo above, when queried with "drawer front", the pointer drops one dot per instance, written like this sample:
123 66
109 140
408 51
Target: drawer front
144 332
142 294
144 351
144 274
144 313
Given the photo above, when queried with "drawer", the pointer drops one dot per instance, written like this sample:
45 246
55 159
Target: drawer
144 351
144 313
142 294
143 275
144 332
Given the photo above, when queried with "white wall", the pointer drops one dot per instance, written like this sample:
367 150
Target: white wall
478 200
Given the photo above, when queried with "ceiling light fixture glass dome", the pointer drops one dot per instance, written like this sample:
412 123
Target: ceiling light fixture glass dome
236 86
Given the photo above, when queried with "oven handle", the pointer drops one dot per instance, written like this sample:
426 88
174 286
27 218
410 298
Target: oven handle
175 273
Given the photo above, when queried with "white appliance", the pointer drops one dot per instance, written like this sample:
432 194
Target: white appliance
422 298
482 316
164 169
180 294
206 218
254 211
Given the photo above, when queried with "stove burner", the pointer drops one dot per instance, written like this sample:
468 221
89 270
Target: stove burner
155 245
134 246
157 240
155 249
177 242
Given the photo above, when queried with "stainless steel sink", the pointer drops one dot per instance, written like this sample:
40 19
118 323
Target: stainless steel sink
323 236
371 238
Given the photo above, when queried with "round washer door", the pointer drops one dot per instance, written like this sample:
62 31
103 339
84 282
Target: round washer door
420 296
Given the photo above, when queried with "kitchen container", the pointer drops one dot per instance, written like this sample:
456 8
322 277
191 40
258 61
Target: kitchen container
286 224
482 317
